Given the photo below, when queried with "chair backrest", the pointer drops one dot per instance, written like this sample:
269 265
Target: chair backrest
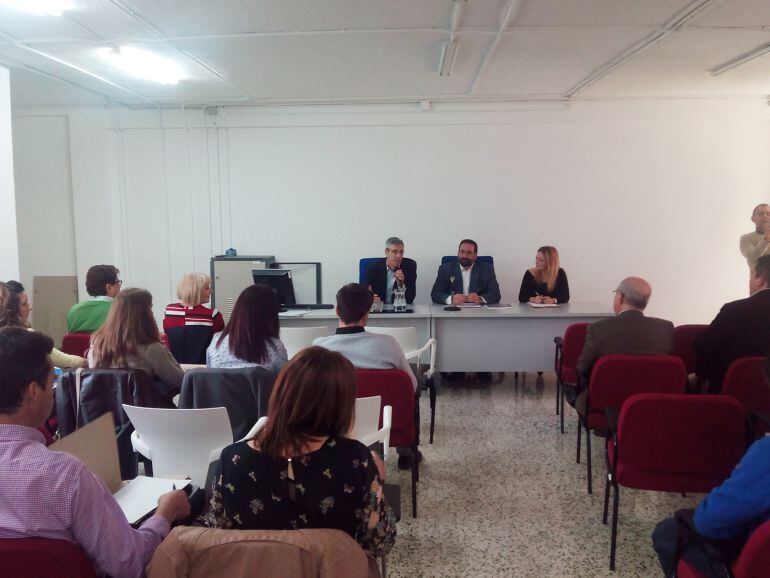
43 558
367 416
298 338
363 265
488 259
679 443
181 440
406 336
188 343
244 392
76 343
395 389
617 377
684 337
745 381
754 559
574 339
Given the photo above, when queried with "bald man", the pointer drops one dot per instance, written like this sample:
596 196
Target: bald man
630 331
757 243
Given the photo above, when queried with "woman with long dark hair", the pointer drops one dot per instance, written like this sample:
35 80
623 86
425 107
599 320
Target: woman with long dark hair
250 338
130 338
301 471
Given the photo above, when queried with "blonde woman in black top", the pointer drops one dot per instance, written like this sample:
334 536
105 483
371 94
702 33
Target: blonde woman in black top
546 282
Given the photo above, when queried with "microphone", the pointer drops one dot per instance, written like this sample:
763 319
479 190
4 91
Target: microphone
452 306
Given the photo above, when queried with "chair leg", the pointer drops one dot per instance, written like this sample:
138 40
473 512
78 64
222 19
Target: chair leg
558 388
561 403
384 566
432 393
589 473
614 538
606 497
415 475
580 431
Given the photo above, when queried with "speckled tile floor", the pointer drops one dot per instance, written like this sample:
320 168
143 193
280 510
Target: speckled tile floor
501 494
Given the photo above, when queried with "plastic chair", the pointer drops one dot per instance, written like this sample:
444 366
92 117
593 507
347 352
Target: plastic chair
671 443
363 265
395 388
297 338
366 428
180 442
43 558
617 377
566 354
745 381
76 343
753 561
684 337
488 259
407 339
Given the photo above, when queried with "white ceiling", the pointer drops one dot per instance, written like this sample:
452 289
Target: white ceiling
273 51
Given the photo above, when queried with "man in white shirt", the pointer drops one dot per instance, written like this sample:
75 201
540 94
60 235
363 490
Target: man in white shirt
757 243
466 280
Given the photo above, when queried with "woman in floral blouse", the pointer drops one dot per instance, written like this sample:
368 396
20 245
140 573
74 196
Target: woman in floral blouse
301 471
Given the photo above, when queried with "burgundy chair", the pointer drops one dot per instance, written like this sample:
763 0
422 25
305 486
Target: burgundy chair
43 558
753 561
76 343
395 388
745 381
568 350
684 337
614 379
671 443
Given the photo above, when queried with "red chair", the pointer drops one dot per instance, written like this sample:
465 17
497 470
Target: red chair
76 343
43 558
568 350
753 561
395 388
684 337
614 379
745 381
671 443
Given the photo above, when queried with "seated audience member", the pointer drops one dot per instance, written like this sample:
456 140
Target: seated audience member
130 338
52 494
251 336
741 329
189 324
301 471
472 281
629 332
14 312
757 243
103 284
383 275
727 515
546 282
363 349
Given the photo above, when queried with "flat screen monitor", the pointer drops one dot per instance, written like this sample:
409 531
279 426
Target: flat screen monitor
279 280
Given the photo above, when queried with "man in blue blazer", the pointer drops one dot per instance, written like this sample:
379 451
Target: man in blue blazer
383 274
472 281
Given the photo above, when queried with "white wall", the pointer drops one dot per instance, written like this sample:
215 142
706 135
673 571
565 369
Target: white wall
658 189
9 249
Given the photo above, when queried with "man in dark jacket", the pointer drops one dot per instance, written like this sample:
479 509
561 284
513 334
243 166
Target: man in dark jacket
383 275
471 281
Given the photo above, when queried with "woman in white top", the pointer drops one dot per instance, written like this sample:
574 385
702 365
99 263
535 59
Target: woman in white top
250 338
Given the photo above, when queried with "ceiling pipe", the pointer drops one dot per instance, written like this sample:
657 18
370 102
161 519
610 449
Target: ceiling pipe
510 13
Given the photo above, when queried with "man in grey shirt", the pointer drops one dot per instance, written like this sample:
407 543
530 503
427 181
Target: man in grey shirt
363 349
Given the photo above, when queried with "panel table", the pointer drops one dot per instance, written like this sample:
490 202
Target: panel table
515 339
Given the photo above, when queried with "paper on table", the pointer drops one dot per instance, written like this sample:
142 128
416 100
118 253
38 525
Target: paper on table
469 305
498 305
541 305
293 312
140 496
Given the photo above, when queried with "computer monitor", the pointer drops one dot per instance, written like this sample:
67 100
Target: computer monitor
279 280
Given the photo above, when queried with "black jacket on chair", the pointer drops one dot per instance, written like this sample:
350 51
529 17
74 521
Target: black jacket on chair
377 278
244 392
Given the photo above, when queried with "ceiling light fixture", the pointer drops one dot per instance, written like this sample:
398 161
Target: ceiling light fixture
743 59
143 64
447 61
40 7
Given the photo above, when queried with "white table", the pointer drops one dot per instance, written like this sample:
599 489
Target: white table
515 339
420 319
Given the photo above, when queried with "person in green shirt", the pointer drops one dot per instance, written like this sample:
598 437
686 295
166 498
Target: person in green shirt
103 284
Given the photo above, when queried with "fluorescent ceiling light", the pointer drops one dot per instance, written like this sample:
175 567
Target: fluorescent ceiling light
42 7
143 64
742 59
447 61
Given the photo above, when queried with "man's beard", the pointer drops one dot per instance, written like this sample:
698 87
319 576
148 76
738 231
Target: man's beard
465 262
